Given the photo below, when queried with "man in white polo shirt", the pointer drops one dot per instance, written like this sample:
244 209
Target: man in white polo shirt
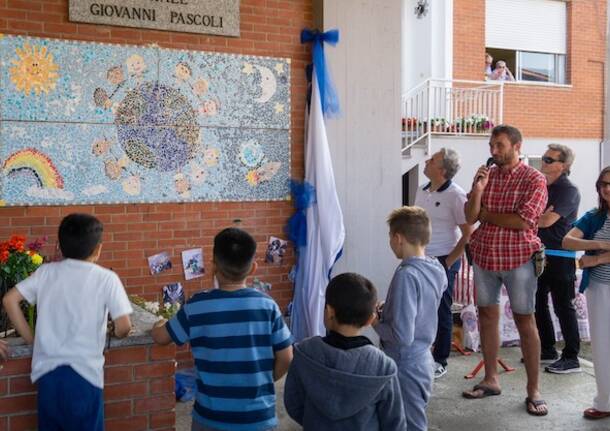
444 201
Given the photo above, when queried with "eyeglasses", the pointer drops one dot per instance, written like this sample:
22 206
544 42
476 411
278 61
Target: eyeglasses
549 160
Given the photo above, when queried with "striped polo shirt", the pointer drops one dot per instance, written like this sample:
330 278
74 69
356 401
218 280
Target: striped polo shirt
601 273
233 337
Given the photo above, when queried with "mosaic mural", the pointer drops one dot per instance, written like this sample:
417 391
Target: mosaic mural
96 123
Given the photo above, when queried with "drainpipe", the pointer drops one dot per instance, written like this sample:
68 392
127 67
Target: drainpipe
604 152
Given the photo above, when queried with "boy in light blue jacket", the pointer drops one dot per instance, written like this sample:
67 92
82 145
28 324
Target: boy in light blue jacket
408 319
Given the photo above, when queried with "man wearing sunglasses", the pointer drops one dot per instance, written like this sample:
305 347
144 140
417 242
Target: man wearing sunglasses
560 272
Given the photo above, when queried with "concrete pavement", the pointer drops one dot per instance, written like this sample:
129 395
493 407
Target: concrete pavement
567 396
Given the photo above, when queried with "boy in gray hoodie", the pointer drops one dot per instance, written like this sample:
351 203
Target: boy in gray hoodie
341 381
408 319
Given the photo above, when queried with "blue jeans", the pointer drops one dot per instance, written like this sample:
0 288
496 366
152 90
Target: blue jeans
442 344
67 402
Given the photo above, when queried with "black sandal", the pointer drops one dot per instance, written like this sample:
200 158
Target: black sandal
535 404
486 391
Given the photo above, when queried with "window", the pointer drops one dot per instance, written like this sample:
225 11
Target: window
541 67
530 36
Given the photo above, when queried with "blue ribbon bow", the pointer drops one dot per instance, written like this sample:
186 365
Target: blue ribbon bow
303 195
328 94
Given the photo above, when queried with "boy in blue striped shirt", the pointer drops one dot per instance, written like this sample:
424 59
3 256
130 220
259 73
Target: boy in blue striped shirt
239 342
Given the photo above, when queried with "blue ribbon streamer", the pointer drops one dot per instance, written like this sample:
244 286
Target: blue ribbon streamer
328 94
560 253
303 196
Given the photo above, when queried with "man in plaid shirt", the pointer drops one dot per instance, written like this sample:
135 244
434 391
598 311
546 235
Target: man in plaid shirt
507 200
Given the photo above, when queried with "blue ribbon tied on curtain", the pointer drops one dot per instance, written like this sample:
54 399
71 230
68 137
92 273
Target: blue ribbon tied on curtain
328 94
303 195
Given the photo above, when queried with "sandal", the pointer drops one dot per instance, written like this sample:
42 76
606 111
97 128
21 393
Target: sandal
484 392
595 414
532 407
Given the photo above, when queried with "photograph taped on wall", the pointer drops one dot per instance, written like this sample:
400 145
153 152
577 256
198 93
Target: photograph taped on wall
192 263
276 249
84 123
159 262
173 293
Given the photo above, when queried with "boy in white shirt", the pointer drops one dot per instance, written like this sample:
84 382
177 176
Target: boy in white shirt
73 299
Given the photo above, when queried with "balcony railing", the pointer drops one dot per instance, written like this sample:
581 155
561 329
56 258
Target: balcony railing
450 107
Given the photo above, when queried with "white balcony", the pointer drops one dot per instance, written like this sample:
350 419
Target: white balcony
449 107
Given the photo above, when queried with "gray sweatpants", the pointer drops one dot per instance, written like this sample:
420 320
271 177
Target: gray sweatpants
416 376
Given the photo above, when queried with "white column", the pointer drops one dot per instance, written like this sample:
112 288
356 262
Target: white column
365 140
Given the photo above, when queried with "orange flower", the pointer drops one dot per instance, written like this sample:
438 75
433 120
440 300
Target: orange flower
17 242
4 254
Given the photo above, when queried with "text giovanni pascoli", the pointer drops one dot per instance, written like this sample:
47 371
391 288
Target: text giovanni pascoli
150 14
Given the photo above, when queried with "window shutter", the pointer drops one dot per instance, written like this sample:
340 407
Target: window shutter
526 25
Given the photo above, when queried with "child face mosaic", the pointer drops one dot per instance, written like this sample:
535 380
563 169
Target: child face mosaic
97 123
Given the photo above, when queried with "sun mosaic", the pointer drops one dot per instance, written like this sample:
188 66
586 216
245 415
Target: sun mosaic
97 123
33 69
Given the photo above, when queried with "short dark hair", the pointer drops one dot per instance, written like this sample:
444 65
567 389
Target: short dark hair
513 134
353 297
411 222
234 251
79 235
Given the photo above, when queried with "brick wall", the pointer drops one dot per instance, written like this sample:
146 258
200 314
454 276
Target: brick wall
139 391
132 232
539 111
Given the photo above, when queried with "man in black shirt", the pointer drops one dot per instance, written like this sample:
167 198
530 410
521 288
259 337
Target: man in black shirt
559 274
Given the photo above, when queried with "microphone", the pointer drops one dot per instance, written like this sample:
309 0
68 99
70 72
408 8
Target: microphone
488 163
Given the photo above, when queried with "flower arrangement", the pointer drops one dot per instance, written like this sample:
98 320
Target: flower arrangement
17 261
409 123
161 309
475 123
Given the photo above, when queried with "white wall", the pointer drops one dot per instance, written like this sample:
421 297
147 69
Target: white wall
427 43
475 151
365 141
417 47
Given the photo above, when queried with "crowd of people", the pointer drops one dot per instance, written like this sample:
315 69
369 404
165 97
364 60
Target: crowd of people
241 345
526 237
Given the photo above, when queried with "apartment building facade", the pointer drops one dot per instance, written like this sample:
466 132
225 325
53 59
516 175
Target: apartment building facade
556 51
